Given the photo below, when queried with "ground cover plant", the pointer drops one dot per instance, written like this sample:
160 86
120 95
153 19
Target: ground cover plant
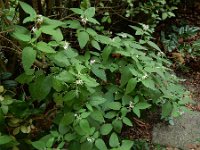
77 83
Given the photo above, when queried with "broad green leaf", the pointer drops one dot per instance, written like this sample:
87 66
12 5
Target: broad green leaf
106 53
65 76
125 76
24 78
114 141
127 121
114 105
142 105
28 9
166 109
28 57
21 33
152 44
90 82
70 136
100 144
86 146
97 115
138 46
41 87
44 47
73 24
131 85
96 100
99 72
90 12
85 126
50 142
83 38
136 111
69 96
117 125
106 129
149 83
39 145
96 45
164 15
66 120
126 145
110 114
4 139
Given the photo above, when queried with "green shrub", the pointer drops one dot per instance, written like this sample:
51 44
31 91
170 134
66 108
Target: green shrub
80 96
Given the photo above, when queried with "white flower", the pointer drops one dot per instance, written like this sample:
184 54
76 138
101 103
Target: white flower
145 27
131 105
66 45
145 76
90 139
34 29
40 19
84 20
124 35
79 82
92 61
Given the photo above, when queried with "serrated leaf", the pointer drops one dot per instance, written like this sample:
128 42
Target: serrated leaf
44 47
69 96
100 144
131 85
83 38
114 141
126 145
28 9
106 129
127 121
114 105
66 120
149 83
28 57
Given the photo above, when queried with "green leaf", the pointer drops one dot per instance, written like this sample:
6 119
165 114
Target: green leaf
117 125
90 12
44 47
136 111
4 139
83 38
96 45
66 120
166 109
85 126
131 85
100 144
106 53
149 83
65 76
98 116
39 145
73 24
96 100
99 72
114 141
21 33
69 96
40 88
127 121
142 105
152 44
164 15
28 57
126 145
28 9
114 105
106 129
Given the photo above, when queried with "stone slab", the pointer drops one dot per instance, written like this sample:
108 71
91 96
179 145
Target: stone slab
183 134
